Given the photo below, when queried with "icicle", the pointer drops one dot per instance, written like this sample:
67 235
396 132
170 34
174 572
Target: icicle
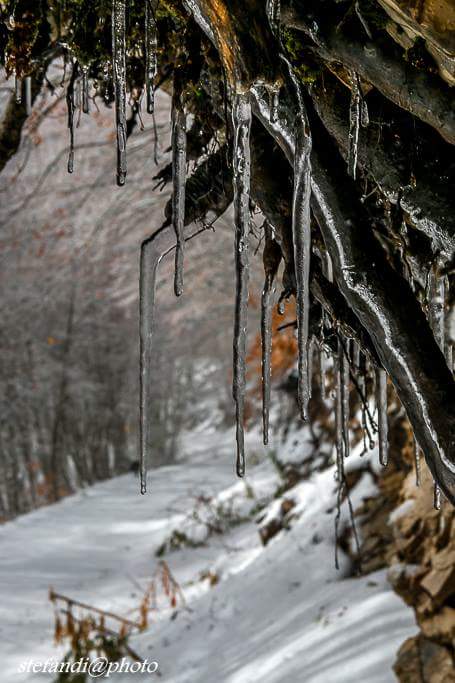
437 497
354 117
362 20
71 107
266 335
339 440
311 347
322 371
106 83
345 382
273 13
449 357
328 272
361 385
436 299
241 119
329 267
271 263
85 85
275 105
18 89
448 348
417 462
364 115
119 67
355 355
28 95
381 400
148 271
178 180
301 230
77 94
274 100
151 44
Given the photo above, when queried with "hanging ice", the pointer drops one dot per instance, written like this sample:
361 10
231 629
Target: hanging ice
322 371
339 440
449 356
85 86
355 355
436 296
106 82
273 13
150 259
354 120
345 382
28 95
328 272
274 100
270 267
437 497
364 115
301 232
311 347
381 400
436 303
241 119
448 348
178 180
151 44
362 20
119 67
417 461
18 89
70 121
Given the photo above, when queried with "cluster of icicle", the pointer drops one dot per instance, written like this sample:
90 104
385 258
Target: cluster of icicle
437 286
77 95
350 365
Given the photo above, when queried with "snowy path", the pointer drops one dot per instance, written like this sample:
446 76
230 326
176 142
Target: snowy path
278 614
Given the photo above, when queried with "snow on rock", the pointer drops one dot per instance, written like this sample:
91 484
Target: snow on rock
279 612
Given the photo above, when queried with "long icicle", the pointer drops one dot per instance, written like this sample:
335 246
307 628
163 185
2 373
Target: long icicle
448 349
417 462
381 401
301 236
28 95
178 179
71 109
271 258
328 272
241 119
345 382
119 67
322 371
151 44
436 314
85 90
354 121
301 232
362 388
147 286
339 413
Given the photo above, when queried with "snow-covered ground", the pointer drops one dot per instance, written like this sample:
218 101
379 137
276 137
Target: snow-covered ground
279 613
